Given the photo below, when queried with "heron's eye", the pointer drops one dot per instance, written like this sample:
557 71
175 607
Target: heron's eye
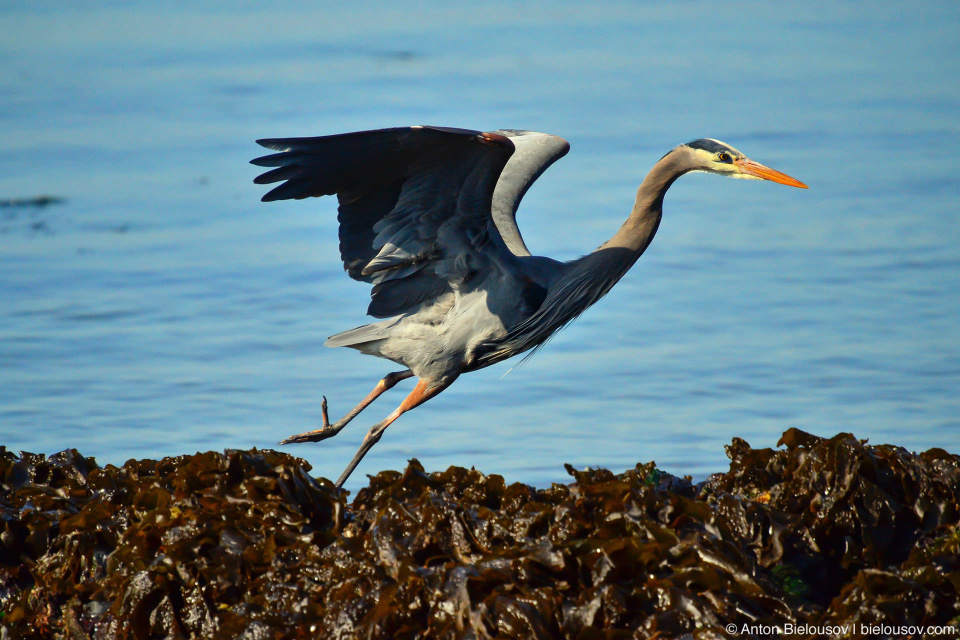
723 157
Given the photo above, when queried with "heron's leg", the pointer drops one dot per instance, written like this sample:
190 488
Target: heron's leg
329 430
420 394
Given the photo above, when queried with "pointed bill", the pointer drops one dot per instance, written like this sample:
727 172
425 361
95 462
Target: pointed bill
760 171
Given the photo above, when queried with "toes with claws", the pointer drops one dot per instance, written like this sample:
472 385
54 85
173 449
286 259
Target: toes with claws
327 430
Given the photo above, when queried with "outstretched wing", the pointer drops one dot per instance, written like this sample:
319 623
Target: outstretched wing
415 204
535 152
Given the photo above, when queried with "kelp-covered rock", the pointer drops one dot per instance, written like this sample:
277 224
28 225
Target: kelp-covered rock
152 549
248 545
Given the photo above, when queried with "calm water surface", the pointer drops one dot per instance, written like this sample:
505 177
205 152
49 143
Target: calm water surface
162 309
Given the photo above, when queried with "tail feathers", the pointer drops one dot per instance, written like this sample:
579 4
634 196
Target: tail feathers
361 335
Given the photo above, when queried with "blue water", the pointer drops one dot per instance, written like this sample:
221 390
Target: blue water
162 309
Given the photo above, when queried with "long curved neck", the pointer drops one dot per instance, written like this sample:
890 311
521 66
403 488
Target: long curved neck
637 232
587 279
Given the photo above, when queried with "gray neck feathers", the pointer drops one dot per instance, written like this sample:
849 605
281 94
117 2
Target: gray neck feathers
589 278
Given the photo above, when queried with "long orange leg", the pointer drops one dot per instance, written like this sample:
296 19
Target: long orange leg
329 430
420 394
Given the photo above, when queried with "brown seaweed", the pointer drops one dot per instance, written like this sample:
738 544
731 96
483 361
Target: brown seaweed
246 544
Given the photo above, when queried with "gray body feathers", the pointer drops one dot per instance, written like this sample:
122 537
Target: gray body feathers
428 217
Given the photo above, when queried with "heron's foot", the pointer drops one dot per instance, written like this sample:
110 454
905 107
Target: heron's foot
310 436
326 431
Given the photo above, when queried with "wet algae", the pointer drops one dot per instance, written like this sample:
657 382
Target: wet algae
246 544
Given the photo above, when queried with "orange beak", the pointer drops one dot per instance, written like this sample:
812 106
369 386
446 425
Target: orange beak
756 169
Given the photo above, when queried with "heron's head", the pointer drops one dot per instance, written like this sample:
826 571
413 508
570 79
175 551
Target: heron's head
718 157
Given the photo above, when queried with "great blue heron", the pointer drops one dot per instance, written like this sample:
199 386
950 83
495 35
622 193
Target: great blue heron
428 217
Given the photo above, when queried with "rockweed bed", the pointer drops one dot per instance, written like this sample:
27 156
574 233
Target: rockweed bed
246 544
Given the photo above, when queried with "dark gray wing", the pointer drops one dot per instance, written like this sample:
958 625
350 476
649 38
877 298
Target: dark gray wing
415 204
535 152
